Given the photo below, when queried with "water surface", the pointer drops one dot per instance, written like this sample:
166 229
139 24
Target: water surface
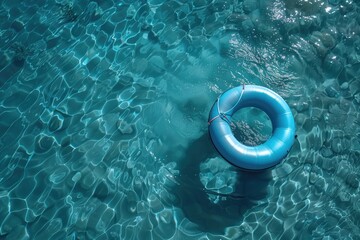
103 119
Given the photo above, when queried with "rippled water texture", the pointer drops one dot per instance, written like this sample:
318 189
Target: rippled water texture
103 119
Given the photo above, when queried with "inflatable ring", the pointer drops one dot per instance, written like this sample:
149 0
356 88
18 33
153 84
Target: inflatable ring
258 157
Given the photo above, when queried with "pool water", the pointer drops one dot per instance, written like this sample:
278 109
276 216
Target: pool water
104 107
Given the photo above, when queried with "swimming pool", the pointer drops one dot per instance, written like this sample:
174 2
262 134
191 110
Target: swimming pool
104 107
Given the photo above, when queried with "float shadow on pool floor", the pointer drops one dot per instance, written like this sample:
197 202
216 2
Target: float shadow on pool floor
193 197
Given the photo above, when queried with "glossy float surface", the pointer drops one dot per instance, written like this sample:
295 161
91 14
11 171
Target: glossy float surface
262 156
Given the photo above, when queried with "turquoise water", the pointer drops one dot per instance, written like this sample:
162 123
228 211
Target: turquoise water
103 119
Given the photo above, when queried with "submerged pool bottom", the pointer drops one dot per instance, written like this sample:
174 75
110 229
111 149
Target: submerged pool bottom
104 108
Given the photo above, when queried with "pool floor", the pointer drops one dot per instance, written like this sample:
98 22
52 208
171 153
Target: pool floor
104 108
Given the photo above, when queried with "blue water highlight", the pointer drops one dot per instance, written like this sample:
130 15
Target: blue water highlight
104 108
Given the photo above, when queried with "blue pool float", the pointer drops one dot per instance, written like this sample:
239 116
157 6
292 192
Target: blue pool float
258 157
